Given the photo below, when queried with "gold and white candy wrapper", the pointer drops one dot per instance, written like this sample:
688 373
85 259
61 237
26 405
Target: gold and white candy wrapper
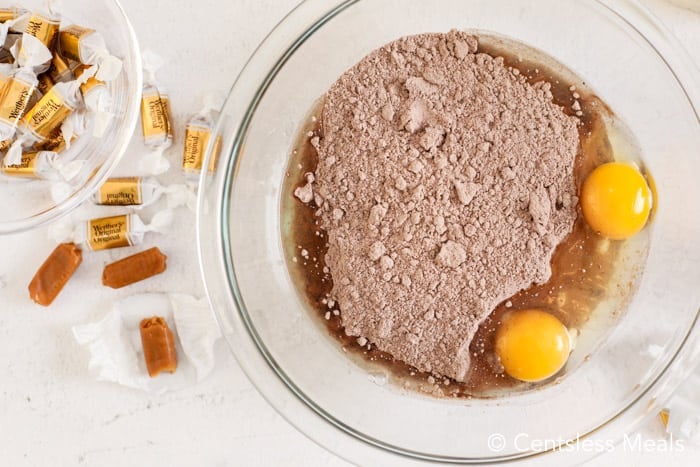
34 56
70 97
48 165
154 162
67 231
150 191
92 50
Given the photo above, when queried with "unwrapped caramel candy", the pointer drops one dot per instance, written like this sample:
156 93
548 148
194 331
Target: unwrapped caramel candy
158 346
134 268
53 275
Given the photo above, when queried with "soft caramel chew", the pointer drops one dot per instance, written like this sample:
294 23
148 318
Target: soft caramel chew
158 346
134 268
53 275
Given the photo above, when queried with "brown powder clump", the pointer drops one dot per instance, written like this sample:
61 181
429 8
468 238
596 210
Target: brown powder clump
445 182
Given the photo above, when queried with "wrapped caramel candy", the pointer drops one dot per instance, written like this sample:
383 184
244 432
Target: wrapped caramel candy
134 268
44 165
158 346
52 110
88 47
110 232
155 113
156 121
46 116
19 87
55 273
41 28
197 138
140 192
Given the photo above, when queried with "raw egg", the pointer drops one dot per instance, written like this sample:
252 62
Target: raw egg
616 200
532 344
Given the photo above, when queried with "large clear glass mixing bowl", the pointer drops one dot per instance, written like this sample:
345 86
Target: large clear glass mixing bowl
630 61
30 204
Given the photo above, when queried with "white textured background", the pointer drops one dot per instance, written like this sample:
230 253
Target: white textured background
51 410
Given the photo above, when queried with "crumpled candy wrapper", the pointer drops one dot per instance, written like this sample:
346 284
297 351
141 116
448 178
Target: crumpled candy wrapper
116 353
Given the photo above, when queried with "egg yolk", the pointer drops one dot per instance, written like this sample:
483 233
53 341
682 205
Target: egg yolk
616 200
532 345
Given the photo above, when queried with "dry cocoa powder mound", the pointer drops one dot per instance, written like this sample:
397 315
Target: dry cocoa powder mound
445 182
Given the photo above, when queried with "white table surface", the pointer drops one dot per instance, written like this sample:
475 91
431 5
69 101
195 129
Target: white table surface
52 412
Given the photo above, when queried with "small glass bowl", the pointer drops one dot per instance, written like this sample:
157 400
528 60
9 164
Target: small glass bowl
630 61
30 204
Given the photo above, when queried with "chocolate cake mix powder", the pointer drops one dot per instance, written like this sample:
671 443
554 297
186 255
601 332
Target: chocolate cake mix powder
445 181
